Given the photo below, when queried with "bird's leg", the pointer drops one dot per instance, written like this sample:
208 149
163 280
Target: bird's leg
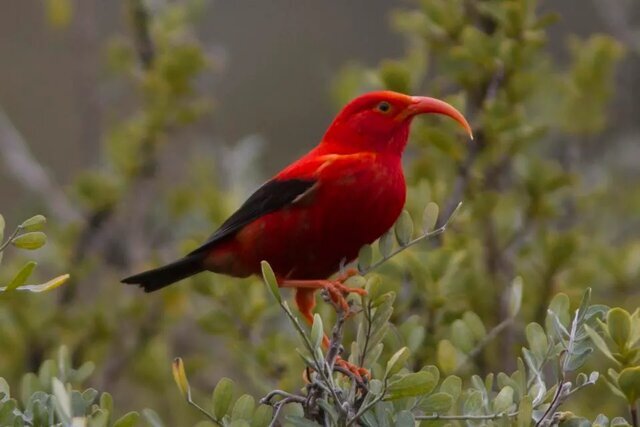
305 300
336 288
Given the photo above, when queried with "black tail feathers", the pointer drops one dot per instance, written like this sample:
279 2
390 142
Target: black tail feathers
160 277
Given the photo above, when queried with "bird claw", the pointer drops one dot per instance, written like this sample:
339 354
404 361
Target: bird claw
338 291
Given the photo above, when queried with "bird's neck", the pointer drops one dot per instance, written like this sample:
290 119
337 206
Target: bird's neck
348 140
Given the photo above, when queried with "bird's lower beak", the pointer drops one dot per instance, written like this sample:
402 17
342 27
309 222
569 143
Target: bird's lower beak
426 105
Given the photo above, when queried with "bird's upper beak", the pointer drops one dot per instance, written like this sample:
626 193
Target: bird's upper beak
426 105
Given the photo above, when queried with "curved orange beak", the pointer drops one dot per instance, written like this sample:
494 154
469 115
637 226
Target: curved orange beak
426 105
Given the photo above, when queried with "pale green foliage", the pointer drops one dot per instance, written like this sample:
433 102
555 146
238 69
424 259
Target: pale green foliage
50 398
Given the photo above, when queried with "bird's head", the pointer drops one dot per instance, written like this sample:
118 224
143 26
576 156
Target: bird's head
379 121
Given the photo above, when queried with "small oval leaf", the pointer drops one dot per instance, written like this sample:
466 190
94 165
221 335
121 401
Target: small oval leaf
404 228
317 331
270 279
222 397
385 244
365 256
430 216
35 223
30 241
619 326
397 361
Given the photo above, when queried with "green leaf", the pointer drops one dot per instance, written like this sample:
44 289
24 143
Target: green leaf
430 216
475 325
99 418
438 403
397 362
601 421
30 241
619 326
270 279
365 256
385 244
222 397
447 356
473 403
63 400
461 336
262 416
243 408
599 342
129 419
560 305
404 228
525 411
537 339
35 223
409 385
452 385
584 304
106 402
629 383
515 297
619 422
503 400
317 331
405 418
22 276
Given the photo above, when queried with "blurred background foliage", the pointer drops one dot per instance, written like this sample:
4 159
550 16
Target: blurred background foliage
549 186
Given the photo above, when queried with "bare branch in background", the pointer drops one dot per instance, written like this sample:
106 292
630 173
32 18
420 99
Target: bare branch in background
26 170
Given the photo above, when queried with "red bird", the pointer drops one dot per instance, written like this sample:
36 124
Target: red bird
317 213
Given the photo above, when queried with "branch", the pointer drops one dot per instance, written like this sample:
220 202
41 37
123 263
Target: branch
32 175
413 242
465 417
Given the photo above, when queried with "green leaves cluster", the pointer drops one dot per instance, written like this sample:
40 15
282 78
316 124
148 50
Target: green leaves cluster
27 236
49 398
618 338
398 395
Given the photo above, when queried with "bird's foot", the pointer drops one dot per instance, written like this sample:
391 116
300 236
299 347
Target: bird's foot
358 372
338 292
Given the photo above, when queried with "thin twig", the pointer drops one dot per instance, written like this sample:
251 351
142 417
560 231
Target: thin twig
203 411
465 417
279 407
10 238
413 242
273 393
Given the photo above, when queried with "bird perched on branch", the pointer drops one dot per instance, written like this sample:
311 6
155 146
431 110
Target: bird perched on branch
317 213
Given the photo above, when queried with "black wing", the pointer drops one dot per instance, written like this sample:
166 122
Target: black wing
271 196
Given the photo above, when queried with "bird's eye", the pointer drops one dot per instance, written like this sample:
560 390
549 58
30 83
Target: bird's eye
383 107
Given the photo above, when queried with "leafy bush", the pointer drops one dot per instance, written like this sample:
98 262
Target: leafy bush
445 321
47 398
